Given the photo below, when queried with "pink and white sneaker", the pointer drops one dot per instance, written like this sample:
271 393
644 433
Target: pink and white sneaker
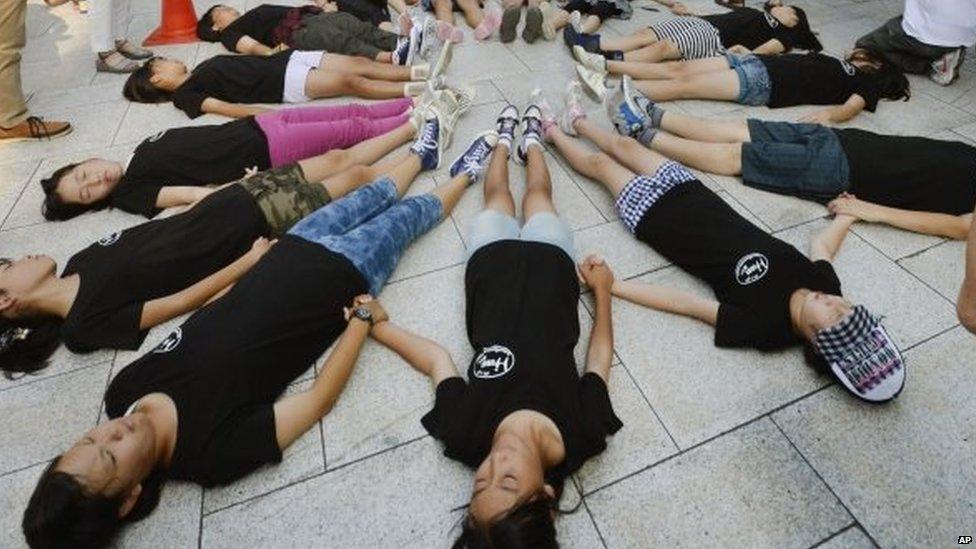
448 32
491 22
574 108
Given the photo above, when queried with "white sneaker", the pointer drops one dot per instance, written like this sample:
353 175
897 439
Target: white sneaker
443 60
945 70
593 81
429 42
576 21
546 113
548 14
592 61
574 108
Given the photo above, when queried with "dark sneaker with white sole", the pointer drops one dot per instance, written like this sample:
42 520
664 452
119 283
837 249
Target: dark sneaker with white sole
428 145
531 133
474 160
506 124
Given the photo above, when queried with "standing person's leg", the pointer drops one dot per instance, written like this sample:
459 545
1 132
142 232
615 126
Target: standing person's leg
109 20
904 51
966 304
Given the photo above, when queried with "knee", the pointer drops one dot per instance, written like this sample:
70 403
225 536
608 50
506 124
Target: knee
597 162
355 83
966 311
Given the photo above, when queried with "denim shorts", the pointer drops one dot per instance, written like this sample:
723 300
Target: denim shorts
755 86
492 226
371 228
802 160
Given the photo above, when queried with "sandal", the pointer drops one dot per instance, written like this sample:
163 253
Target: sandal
115 63
132 51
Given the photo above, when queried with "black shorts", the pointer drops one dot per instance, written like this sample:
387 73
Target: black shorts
601 9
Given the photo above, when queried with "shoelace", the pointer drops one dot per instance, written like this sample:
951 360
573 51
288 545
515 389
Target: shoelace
475 158
428 139
36 127
506 126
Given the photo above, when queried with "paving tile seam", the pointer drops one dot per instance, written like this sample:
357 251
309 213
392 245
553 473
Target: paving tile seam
45 377
23 189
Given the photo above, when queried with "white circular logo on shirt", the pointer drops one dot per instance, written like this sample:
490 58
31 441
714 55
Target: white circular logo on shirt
171 342
773 22
157 136
850 69
110 239
494 361
750 268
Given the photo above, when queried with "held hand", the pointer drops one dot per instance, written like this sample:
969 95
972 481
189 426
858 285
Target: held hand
261 247
739 49
279 48
367 301
596 273
820 117
849 205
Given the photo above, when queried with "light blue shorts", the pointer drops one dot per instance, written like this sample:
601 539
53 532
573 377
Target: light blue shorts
492 226
755 86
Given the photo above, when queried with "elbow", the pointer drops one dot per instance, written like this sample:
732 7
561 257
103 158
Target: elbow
966 311
961 228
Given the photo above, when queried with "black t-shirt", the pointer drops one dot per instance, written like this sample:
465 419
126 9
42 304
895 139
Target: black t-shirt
235 79
750 28
752 273
522 321
228 363
192 156
259 23
122 271
817 79
914 173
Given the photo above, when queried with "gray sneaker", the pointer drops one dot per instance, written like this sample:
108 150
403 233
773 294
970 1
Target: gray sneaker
945 70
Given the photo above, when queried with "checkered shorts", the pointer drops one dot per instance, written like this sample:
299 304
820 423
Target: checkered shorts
644 191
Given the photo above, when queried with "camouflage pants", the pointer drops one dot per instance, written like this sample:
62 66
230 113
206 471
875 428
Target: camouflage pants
284 196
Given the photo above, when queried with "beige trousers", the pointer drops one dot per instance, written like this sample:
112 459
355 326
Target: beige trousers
13 36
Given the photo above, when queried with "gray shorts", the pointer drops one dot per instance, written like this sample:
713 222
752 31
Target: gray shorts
491 226
755 86
803 160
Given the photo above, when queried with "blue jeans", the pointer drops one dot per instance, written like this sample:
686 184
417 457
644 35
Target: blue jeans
371 228
755 86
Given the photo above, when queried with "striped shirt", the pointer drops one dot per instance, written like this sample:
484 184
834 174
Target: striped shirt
694 37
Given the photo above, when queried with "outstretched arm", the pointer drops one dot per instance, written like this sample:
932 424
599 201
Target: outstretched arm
841 113
936 224
670 300
599 355
179 195
233 110
773 46
161 309
424 355
825 245
297 413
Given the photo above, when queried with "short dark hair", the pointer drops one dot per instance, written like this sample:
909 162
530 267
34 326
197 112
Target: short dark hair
27 343
54 207
802 34
139 86
205 30
61 513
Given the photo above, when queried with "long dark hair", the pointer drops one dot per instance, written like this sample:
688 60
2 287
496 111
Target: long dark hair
892 82
61 513
205 30
27 343
139 87
56 209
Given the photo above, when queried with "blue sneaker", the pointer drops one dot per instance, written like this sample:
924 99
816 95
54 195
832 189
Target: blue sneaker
428 145
627 118
589 42
474 160
637 100
401 51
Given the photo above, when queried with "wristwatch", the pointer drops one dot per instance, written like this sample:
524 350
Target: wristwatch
363 313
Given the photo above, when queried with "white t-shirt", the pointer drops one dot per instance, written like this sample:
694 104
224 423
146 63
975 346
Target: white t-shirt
947 23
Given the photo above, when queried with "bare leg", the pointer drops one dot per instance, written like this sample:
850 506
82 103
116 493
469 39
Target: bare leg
498 196
404 173
596 166
591 24
717 158
624 150
449 193
667 71
384 57
538 185
700 129
639 39
364 67
323 83
444 11
561 18
722 86
658 51
331 163
472 12
966 304
357 176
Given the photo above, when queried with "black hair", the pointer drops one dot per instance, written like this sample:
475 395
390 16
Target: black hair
55 208
61 513
891 81
139 86
803 37
27 343
205 30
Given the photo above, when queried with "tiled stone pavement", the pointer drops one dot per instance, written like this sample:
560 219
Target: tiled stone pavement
726 448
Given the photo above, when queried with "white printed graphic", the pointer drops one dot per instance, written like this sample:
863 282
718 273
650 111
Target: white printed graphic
750 268
851 70
156 137
494 361
171 342
110 239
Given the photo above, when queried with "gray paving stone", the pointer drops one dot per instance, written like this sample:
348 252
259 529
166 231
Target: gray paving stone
93 129
773 210
174 523
904 469
15 492
13 179
894 243
746 489
852 538
626 255
942 267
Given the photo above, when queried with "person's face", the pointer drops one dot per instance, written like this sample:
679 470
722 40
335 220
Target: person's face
114 457
509 475
821 311
167 74
89 182
224 16
785 15
20 277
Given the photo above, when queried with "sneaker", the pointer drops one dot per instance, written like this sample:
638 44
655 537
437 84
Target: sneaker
531 133
465 96
505 125
448 32
429 41
445 107
510 21
576 21
627 118
548 14
428 145
592 61
474 160
593 81
491 22
590 42
574 108
533 25
639 102
546 115
945 70
402 51
443 60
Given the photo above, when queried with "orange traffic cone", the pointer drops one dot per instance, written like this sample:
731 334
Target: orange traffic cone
179 24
